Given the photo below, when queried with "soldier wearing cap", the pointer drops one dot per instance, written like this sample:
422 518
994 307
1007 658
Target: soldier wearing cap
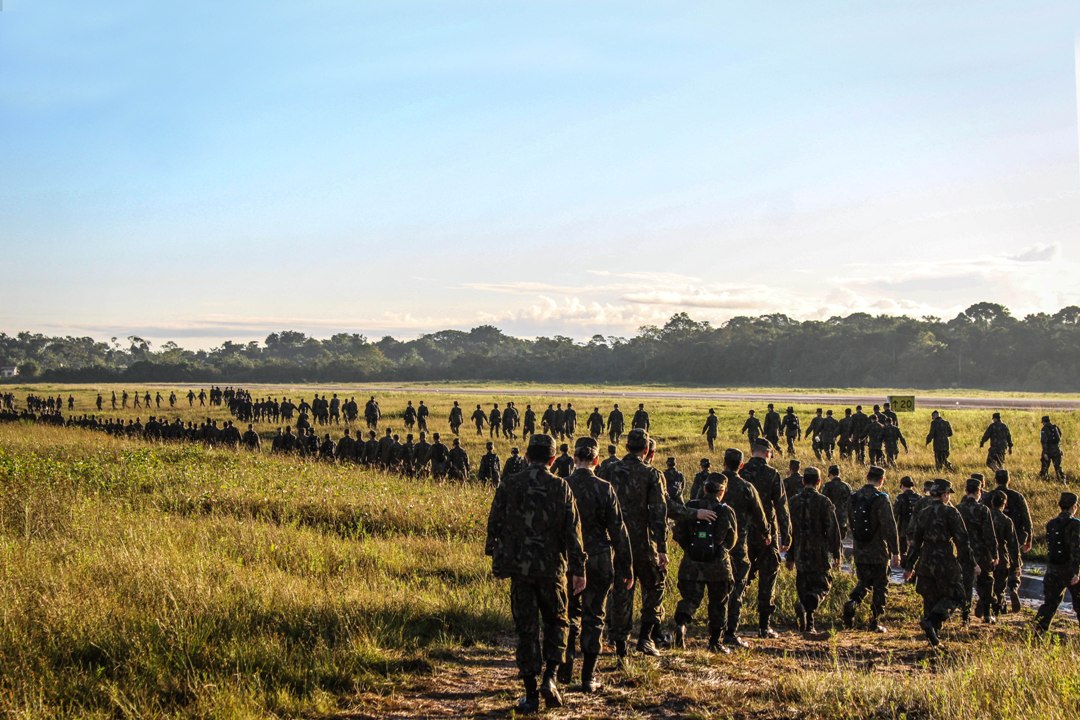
813 431
979 568
564 464
1062 562
595 423
873 529
997 433
674 481
710 428
815 548
615 424
514 464
753 533
904 511
939 547
697 489
1008 554
489 466
534 538
1050 439
607 545
793 483
645 512
1016 508
839 494
771 428
790 426
765 561
640 421
860 422
940 432
611 459
751 428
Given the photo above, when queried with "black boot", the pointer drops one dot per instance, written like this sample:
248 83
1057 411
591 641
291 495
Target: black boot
810 622
876 626
680 636
531 702
800 616
931 631
764 631
566 669
589 683
548 688
645 644
715 646
849 614
1014 600
620 651
660 639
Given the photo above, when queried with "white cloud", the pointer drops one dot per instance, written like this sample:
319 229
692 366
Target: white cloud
1037 253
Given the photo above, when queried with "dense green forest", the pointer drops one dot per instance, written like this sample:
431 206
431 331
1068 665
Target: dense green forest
985 346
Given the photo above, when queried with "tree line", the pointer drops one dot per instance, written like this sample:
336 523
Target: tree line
984 346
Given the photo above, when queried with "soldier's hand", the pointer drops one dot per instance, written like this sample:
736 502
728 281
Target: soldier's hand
1073 580
629 583
994 562
579 584
768 541
663 561
1027 546
908 574
784 548
706 515
896 561
790 564
1010 451
978 570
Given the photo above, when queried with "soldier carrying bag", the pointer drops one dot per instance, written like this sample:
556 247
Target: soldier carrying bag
862 516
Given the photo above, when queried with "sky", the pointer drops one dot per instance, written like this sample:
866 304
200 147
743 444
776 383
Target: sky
207 171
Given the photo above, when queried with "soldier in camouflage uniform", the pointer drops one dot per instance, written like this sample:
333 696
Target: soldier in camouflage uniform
595 423
753 533
997 433
939 547
791 427
765 563
830 428
604 535
611 459
534 538
564 464
1016 508
674 481
515 463
857 439
1050 439
843 435
709 430
839 494
793 483
813 431
978 570
892 439
1062 563
489 466
875 437
615 425
751 428
940 432
904 511
1008 555
873 529
815 548
711 572
771 428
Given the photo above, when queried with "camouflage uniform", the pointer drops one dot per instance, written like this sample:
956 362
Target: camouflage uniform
765 561
715 576
752 428
771 429
997 433
815 544
709 430
753 528
1050 439
940 432
790 426
980 526
489 468
839 494
793 485
860 421
813 431
872 556
1059 574
939 547
534 538
1008 552
904 513
1016 508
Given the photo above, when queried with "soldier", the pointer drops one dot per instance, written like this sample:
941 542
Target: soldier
564 464
558 421
813 431
534 538
1008 555
327 449
640 419
765 563
940 432
604 535
459 462
1016 508
674 481
99 401
494 421
479 417
456 419
815 548
751 428
1062 563
422 413
790 426
839 494
190 399
939 547
697 488
372 413
528 426
904 512
409 416
1000 439
615 425
610 460
859 424
752 534
515 463
771 428
489 466
570 420
873 528
346 447
793 483
827 433
510 421
251 439
641 496
893 438
843 435
547 420
595 423
440 456
706 564
978 570
1050 438
710 428
875 437
886 410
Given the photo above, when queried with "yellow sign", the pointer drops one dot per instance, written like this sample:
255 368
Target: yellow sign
902 403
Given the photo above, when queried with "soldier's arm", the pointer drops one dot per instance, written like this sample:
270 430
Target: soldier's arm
757 513
745 425
903 441
1008 438
961 537
1074 548
915 546
620 539
1013 546
990 538
836 547
728 541
888 526
495 520
985 437
930 435
658 514
575 549
1023 524
783 517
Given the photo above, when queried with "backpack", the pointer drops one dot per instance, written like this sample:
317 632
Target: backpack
1057 551
702 546
862 516
1053 435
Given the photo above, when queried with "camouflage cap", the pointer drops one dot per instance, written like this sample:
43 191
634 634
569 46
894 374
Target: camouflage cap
762 444
977 476
637 440
906 481
941 486
586 448
875 472
542 442
834 469
586 441
705 462
671 461
1067 500
1001 477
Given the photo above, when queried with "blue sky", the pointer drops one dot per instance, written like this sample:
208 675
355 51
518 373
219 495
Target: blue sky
205 171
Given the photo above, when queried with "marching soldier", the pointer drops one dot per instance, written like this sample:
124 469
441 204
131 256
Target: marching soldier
815 548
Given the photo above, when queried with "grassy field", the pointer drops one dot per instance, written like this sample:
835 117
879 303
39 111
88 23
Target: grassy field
145 580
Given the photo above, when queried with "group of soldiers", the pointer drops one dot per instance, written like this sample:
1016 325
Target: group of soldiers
576 549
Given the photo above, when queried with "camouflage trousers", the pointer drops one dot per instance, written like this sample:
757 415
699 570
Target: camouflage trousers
740 573
1004 578
871 576
692 590
536 601
995 457
1054 457
941 456
983 584
766 566
648 578
1055 583
587 610
941 595
812 584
